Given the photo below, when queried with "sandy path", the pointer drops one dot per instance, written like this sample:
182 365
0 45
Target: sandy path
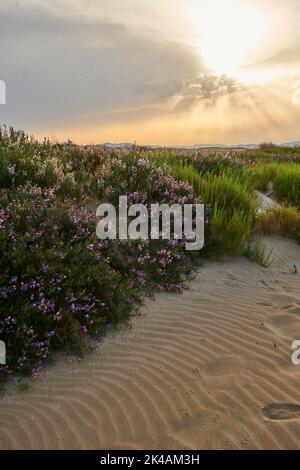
208 369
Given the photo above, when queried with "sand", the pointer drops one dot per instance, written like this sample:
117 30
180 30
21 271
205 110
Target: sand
208 369
264 202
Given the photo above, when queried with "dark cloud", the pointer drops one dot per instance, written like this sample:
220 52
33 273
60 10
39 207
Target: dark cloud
68 70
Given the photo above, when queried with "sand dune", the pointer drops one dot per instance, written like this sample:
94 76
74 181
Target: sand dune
207 369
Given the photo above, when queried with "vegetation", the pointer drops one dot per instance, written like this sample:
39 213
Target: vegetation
257 252
287 184
282 220
59 283
267 146
229 198
262 175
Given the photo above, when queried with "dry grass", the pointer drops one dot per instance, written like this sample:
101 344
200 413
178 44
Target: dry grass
281 220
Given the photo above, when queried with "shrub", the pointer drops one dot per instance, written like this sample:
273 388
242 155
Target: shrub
53 289
267 146
58 281
218 164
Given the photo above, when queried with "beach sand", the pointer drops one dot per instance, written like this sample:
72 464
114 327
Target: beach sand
208 369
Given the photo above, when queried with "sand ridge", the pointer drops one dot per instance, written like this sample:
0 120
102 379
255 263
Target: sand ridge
208 369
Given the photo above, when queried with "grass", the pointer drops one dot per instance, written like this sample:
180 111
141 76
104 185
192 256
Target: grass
226 183
24 387
257 252
263 174
280 220
190 175
227 192
233 212
230 198
228 230
270 154
287 184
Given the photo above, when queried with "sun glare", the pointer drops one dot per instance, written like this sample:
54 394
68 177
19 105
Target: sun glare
229 31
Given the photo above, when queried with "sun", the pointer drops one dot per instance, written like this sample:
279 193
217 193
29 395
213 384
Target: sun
229 31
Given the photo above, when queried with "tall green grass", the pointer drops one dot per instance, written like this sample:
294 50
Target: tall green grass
233 211
190 175
228 187
228 192
165 159
232 204
287 183
262 174
229 229
218 164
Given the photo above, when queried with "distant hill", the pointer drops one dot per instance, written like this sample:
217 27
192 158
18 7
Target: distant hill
219 146
112 145
292 144
196 146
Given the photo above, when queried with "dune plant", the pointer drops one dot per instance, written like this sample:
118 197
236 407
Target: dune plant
227 191
267 146
262 174
217 164
283 220
228 230
232 207
59 283
258 253
287 183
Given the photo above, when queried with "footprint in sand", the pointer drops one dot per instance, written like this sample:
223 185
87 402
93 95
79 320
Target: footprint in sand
282 411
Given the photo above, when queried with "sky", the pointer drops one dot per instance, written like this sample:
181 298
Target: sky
165 72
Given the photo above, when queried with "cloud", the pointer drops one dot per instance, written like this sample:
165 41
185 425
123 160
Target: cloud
65 71
207 88
70 70
284 56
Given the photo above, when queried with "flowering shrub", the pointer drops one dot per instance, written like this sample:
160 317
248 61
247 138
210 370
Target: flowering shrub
54 287
58 281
